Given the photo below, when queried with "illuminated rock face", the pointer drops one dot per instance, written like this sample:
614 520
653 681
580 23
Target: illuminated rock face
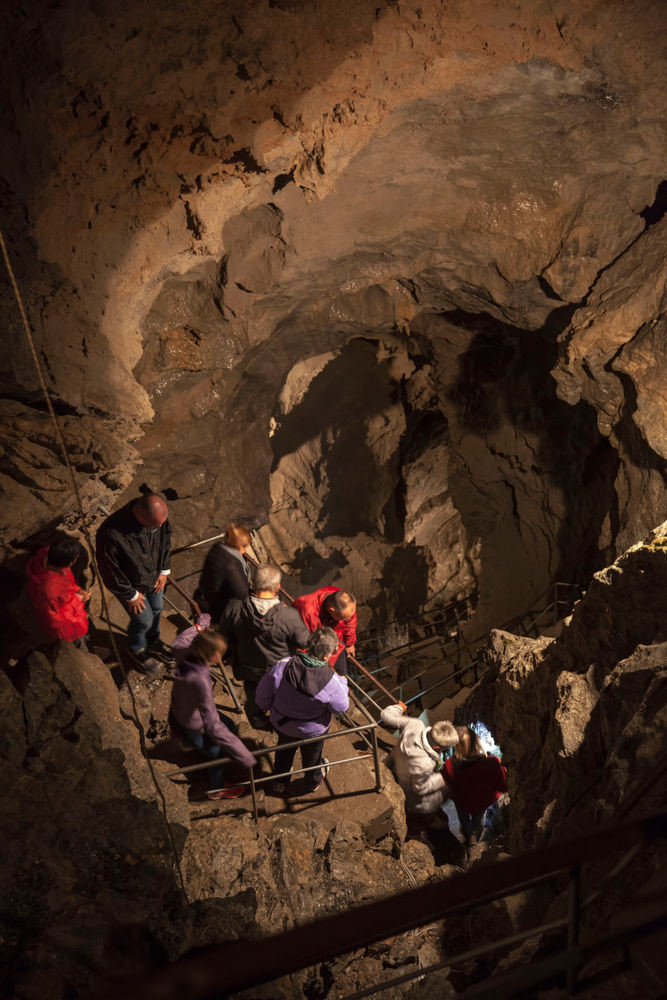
581 718
388 278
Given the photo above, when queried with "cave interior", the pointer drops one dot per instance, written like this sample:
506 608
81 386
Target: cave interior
383 281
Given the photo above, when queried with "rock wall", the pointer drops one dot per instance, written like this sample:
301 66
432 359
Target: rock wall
582 718
88 883
202 202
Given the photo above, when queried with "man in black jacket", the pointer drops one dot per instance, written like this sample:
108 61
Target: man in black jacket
133 547
261 631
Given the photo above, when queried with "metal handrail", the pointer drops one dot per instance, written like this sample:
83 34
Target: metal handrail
238 965
475 664
253 782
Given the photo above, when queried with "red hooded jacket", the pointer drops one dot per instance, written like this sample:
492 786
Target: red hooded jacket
54 595
314 616
476 786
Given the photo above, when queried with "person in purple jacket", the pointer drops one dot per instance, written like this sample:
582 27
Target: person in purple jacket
193 713
302 692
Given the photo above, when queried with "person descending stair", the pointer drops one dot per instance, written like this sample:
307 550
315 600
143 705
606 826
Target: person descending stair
133 549
225 575
58 600
476 779
193 714
418 764
260 631
301 693
330 607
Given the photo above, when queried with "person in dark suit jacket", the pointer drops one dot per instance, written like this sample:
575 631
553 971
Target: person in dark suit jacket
225 574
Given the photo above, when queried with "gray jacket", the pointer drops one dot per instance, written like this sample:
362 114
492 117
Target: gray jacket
414 762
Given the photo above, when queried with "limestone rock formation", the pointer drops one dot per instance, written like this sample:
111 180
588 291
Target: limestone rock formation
581 718
201 218
85 843
387 281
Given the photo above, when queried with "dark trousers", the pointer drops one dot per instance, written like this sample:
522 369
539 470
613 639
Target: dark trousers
471 826
252 709
340 665
311 755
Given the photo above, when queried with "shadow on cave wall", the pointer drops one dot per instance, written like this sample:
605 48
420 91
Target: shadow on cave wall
352 388
505 376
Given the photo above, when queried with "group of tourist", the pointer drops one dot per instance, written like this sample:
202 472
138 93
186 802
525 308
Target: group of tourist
292 661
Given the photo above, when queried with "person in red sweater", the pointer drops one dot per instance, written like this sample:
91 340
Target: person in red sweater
476 780
331 607
58 600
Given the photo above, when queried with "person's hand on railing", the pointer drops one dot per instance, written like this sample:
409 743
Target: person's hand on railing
403 707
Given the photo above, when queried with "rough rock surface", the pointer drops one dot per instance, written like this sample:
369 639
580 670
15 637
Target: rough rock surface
205 205
582 718
85 844
389 278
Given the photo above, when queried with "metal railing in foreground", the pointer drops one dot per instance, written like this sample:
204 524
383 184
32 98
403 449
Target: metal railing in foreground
254 783
235 966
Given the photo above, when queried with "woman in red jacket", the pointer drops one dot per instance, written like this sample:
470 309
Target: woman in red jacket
56 597
476 780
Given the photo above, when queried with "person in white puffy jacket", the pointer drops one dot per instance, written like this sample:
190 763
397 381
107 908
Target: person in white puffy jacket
417 761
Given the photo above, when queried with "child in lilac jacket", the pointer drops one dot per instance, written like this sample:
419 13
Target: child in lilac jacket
193 711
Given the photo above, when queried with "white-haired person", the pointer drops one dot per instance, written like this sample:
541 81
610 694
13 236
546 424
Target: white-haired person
417 762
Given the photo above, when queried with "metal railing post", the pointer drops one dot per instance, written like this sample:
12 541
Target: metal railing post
376 760
230 688
573 913
253 792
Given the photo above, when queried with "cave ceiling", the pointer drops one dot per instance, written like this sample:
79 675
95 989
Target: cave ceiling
389 278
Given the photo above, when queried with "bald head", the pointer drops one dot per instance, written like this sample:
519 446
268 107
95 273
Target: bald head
340 606
151 510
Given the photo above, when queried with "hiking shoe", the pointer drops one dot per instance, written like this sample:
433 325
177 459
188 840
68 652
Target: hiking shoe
161 650
260 722
146 664
325 768
230 792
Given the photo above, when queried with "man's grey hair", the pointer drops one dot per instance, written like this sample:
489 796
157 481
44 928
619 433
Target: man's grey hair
266 577
443 734
322 643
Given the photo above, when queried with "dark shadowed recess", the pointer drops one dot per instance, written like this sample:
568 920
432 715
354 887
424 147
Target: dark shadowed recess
505 375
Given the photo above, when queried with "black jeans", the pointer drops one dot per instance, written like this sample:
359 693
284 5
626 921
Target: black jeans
311 754
340 665
252 710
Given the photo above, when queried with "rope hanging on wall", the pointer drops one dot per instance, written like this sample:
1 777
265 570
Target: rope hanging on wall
91 550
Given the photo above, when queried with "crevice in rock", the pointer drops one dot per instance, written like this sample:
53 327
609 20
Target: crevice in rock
193 222
245 159
282 180
656 211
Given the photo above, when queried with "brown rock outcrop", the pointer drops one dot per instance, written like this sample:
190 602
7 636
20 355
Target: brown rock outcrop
582 718
209 210
85 843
